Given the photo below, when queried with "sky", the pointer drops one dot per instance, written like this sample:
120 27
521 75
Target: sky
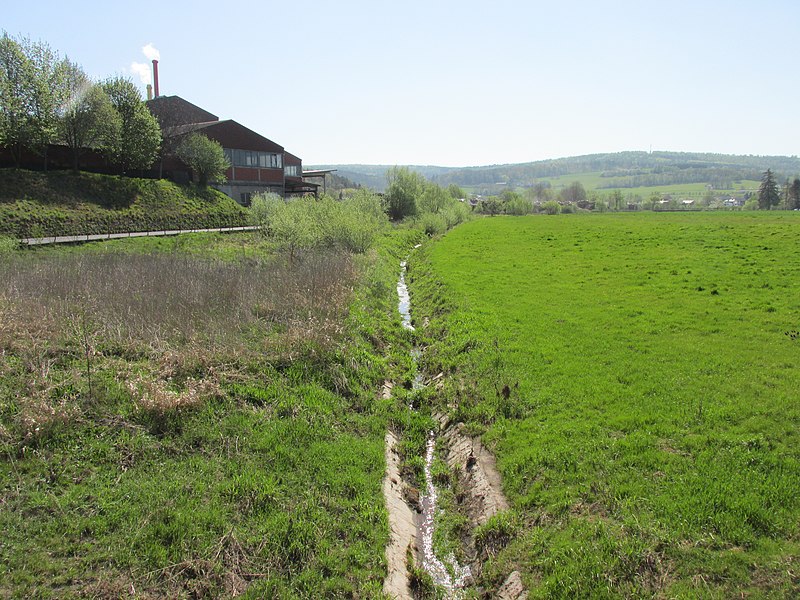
457 83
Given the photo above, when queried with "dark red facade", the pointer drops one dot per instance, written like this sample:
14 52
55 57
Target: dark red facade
257 163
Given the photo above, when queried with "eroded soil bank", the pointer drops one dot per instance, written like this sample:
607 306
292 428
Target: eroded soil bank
475 469
403 524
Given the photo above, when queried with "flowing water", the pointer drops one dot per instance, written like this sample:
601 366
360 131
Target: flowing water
404 303
455 577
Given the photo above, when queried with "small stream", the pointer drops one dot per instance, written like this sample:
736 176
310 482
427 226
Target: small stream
454 578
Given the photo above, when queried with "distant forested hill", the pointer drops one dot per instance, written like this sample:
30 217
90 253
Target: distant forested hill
617 170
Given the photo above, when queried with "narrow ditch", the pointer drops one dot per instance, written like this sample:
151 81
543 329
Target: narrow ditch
412 529
456 577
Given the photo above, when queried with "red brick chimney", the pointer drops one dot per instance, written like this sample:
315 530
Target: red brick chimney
155 78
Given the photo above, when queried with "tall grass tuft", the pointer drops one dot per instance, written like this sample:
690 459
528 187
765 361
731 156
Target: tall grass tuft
8 245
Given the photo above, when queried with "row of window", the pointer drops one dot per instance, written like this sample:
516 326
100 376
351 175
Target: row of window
253 158
291 171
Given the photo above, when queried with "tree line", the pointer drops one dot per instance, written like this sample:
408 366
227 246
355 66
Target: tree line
542 198
771 196
47 100
651 168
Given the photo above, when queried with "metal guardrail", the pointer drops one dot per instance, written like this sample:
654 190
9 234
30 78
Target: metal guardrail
65 239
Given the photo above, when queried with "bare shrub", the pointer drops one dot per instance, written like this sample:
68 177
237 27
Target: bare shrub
40 416
155 396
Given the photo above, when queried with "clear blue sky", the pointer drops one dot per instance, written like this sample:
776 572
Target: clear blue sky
459 83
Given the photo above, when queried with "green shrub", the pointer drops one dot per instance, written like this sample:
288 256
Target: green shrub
551 207
8 245
490 206
351 224
519 206
456 213
404 189
361 218
433 224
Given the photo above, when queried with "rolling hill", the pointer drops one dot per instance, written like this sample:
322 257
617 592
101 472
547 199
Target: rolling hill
621 170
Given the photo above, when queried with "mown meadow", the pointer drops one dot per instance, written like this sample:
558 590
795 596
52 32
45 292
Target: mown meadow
637 376
195 417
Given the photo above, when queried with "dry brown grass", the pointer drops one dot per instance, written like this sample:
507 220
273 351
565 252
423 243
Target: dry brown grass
169 327
169 299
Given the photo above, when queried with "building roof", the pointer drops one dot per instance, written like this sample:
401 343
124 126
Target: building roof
318 172
174 110
291 159
230 134
301 187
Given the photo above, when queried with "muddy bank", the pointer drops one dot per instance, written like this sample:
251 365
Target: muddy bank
403 525
477 473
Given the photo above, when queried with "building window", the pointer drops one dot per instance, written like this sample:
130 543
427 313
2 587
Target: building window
246 197
253 158
291 171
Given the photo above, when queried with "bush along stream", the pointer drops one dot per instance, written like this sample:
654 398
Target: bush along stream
441 484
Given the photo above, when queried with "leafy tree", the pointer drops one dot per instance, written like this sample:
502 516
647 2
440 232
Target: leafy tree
597 200
205 157
768 194
140 134
48 95
455 191
32 95
16 73
652 201
794 194
89 119
541 191
405 187
433 199
516 204
574 193
616 200
490 206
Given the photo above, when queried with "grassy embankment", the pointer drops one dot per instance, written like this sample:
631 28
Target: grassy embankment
637 376
34 204
210 423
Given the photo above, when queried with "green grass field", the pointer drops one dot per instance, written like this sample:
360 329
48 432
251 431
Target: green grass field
638 378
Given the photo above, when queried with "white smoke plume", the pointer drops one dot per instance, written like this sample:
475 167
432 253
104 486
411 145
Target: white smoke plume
142 71
151 52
